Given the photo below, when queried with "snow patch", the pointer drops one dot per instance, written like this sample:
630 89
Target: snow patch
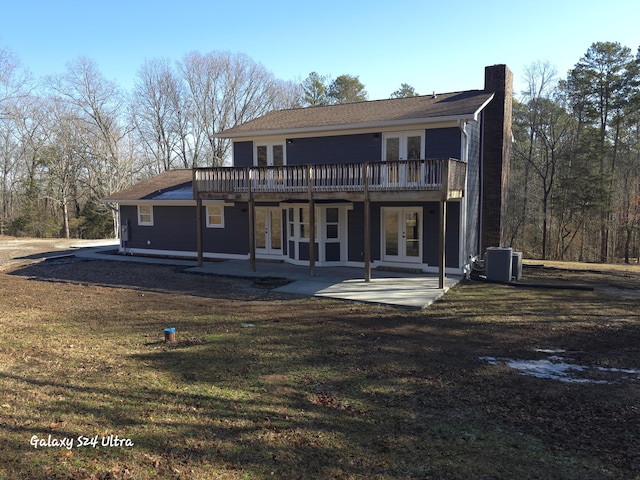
557 368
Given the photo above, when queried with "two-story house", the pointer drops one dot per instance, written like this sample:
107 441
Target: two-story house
416 183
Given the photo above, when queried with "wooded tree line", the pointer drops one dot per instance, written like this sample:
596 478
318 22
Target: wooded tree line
575 166
68 140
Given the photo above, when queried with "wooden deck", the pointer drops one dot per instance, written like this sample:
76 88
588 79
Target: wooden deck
427 179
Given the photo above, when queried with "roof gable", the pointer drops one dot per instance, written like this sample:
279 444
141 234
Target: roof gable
397 111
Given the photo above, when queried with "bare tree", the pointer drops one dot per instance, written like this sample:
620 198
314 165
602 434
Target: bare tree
227 89
540 80
60 158
13 87
99 105
13 80
155 110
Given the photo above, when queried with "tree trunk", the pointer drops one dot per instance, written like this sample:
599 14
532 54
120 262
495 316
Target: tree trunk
544 226
65 220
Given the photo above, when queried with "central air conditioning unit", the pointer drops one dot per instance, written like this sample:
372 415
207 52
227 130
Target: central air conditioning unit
498 264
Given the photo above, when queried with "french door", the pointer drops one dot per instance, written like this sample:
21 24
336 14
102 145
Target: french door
268 228
270 154
403 146
399 146
402 234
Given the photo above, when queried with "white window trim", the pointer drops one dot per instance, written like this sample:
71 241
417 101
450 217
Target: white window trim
140 221
403 135
215 225
269 146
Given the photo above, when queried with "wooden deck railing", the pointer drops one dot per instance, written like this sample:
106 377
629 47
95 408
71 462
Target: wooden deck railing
406 175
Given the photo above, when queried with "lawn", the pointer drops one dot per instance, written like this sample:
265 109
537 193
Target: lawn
261 385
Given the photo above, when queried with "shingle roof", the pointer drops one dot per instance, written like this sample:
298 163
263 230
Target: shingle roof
361 114
148 189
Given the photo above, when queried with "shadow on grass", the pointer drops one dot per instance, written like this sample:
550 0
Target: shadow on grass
322 389
145 277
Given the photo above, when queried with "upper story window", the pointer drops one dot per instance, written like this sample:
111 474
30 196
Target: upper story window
145 215
403 146
269 154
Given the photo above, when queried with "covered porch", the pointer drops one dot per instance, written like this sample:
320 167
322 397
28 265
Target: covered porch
398 181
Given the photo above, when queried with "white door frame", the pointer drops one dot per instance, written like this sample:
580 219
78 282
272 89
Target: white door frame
266 231
270 152
403 254
402 137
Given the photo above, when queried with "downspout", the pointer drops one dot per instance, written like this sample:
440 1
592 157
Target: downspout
481 185
464 156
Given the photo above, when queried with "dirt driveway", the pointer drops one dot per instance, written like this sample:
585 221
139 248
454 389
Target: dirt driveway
15 251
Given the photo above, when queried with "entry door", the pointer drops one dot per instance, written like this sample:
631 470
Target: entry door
268 230
270 154
403 146
402 234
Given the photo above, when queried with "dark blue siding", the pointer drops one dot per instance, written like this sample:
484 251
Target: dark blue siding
234 237
303 250
356 232
443 143
432 234
174 228
332 252
129 217
242 154
337 149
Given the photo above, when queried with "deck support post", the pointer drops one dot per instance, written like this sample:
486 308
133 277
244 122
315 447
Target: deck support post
312 225
442 243
199 233
252 225
367 224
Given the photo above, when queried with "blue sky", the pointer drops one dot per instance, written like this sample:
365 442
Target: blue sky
433 46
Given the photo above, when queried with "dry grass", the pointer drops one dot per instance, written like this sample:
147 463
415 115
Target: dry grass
597 267
267 386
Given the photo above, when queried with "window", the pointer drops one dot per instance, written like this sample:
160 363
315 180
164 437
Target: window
292 223
215 216
145 215
304 223
298 220
332 222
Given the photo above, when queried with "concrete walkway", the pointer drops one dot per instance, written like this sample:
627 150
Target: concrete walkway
345 283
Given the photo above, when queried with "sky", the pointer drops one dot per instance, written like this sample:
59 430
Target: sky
433 46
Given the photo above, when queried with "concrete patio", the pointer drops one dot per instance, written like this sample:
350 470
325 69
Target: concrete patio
345 283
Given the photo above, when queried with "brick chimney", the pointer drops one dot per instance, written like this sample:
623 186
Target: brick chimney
496 141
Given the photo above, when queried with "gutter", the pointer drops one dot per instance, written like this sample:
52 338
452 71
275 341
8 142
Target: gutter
373 126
